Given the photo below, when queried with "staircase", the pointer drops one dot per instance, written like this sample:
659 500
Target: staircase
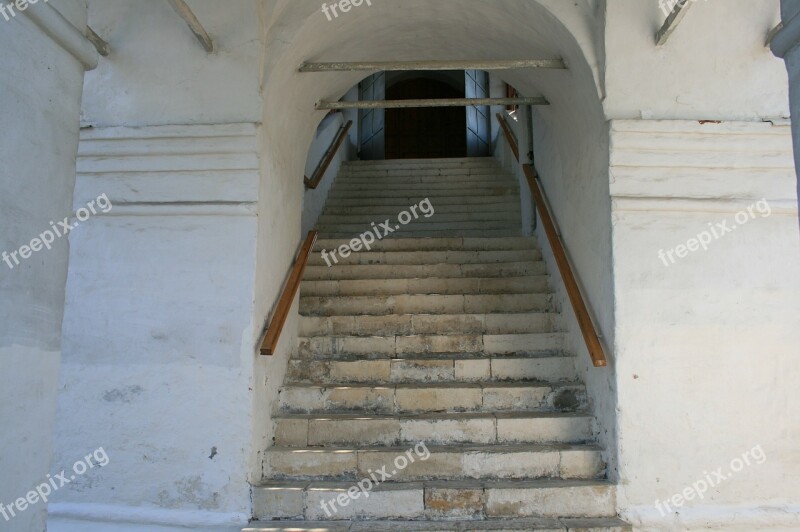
436 359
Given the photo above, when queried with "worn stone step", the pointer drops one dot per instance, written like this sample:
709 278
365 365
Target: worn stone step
425 304
385 287
405 201
491 344
421 184
388 172
365 220
382 212
425 271
470 525
438 162
439 428
335 256
439 244
432 397
473 499
466 233
410 370
410 324
452 462
400 172
421 224
426 192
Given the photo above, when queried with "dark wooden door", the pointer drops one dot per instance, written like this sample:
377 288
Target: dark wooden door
428 132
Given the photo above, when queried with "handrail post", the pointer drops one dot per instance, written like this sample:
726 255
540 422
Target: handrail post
272 332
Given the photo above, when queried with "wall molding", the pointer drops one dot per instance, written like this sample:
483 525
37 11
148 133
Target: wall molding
722 517
107 513
171 170
666 160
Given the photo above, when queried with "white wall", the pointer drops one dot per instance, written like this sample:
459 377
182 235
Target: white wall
41 86
314 200
706 345
159 328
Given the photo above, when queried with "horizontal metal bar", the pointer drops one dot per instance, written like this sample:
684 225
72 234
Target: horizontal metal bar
440 102
396 66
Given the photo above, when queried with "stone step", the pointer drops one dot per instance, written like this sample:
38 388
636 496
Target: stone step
452 462
425 370
429 397
405 201
351 182
474 499
437 162
388 172
374 287
470 525
411 233
424 271
416 226
383 211
440 244
365 220
354 182
425 192
492 344
410 324
425 304
421 257
436 429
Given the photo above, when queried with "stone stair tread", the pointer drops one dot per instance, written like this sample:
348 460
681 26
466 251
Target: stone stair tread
474 525
522 383
462 484
349 416
349 357
453 448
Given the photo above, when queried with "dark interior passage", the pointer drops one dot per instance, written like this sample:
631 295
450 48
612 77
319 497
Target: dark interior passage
427 132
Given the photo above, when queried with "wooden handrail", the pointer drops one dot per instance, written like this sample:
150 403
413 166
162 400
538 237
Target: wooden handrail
588 330
319 173
512 141
271 334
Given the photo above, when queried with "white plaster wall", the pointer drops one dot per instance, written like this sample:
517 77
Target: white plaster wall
159 74
714 66
160 349
706 346
314 200
158 326
41 85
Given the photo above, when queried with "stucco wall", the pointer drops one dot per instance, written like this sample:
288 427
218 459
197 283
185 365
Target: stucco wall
41 84
159 322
